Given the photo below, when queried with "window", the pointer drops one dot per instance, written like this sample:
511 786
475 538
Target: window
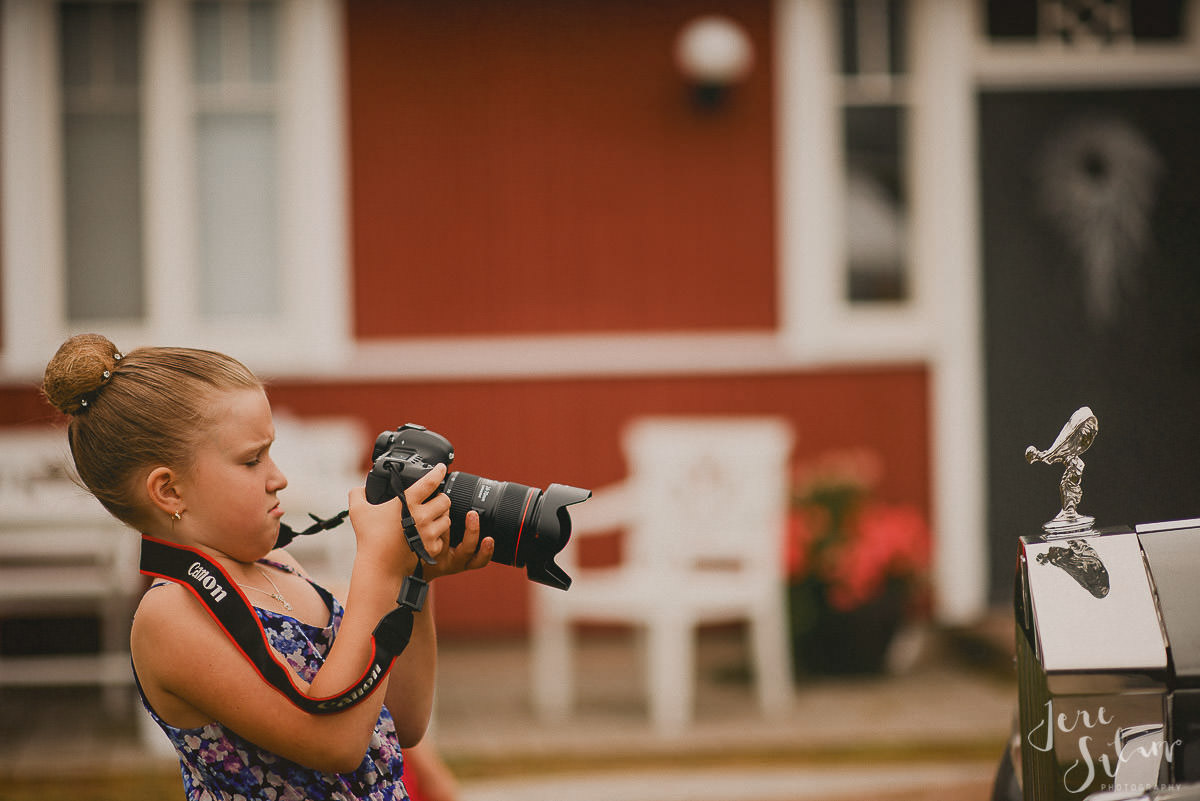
873 138
863 242
99 80
177 177
237 151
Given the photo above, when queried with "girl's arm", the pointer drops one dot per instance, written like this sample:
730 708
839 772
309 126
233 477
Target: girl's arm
193 674
427 776
411 685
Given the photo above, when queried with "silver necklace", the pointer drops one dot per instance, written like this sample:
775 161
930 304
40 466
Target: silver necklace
276 594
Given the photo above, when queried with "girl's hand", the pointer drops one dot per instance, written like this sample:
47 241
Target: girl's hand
379 530
470 554
430 513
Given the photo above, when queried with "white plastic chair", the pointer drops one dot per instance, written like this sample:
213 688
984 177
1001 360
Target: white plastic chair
703 512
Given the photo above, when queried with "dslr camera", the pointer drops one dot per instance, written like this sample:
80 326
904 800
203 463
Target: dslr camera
528 525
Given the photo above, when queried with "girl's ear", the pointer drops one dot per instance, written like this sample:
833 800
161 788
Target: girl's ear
163 492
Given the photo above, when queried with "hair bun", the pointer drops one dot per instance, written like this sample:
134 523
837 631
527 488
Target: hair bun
81 366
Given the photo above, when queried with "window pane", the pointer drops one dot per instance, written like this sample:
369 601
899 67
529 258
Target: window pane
876 203
103 216
897 31
101 158
236 175
848 12
1158 19
1073 23
1012 19
126 25
75 43
206 42
234 43
99 44
263 26
872 37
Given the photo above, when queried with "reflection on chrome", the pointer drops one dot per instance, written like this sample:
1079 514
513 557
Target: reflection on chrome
1082 563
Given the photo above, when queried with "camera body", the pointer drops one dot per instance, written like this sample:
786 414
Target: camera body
529 526
403 456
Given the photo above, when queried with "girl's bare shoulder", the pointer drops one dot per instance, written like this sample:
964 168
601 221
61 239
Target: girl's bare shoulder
168 607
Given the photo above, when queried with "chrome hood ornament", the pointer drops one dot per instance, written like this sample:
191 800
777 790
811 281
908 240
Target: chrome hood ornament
1075 438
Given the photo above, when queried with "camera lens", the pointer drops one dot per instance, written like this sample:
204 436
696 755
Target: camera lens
528 526
504 509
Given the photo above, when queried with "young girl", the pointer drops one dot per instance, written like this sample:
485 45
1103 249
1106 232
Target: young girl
176 443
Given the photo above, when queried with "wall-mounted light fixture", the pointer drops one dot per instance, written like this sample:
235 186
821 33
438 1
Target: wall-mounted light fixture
714 53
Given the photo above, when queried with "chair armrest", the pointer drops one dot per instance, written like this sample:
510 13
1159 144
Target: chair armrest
606 511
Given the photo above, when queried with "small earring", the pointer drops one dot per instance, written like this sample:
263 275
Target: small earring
177 516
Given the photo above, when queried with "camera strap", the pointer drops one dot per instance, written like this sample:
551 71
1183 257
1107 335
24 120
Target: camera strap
287 533
233 612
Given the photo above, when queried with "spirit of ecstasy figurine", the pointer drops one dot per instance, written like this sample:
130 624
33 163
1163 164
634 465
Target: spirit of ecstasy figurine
1075 438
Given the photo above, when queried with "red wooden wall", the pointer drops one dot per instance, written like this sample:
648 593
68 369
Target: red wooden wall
535 165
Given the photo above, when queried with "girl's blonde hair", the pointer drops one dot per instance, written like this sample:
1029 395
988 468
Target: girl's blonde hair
130 413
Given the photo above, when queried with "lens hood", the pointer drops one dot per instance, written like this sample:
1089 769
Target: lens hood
552 531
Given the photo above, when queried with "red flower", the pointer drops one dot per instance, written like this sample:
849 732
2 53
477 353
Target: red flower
852 545
887 542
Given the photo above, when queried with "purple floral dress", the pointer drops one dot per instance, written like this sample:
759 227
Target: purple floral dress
217 764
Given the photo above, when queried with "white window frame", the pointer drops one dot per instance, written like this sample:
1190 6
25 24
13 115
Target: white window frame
312 331
819 321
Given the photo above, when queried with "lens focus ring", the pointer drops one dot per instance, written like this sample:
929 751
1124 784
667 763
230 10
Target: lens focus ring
462 493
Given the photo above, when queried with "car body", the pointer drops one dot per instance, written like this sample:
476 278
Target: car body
1108 665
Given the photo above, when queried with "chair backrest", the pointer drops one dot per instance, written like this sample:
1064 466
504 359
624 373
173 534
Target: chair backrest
323 458
36 470
708 492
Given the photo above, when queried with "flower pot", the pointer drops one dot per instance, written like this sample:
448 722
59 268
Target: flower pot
829 641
